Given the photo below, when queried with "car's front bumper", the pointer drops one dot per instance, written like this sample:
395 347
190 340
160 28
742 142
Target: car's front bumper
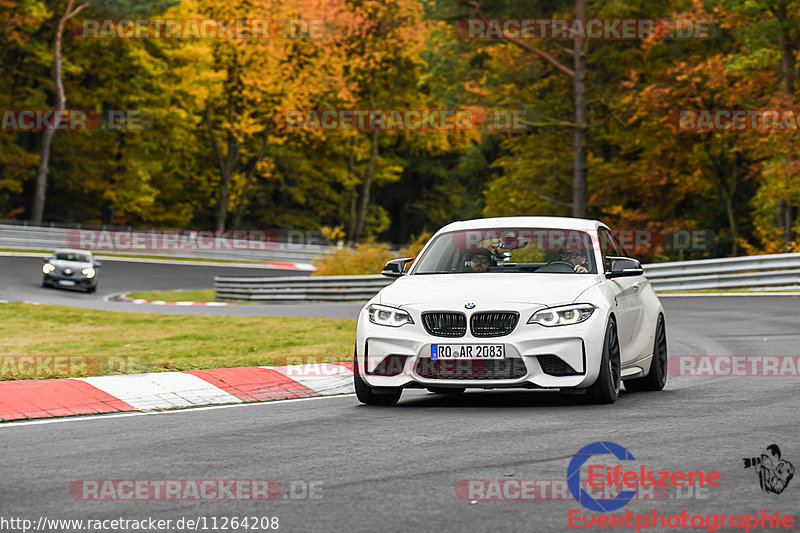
58 279
401 356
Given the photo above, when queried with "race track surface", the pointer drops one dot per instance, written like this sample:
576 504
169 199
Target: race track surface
396 469
22 277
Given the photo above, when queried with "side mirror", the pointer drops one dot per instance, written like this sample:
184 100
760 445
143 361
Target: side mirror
396 267
97 264
623 267
45 259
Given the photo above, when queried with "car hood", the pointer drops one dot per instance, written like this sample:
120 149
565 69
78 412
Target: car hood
545 289
74 265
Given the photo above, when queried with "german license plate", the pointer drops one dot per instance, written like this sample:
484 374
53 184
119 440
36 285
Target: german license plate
66 282
468 351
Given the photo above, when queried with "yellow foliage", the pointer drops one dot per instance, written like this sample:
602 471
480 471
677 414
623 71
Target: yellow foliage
364 258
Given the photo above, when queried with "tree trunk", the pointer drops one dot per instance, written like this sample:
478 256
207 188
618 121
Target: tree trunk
579 167
230 161
227 164
249 177
373 159
351 168
40 190
367 187
785 212
732 224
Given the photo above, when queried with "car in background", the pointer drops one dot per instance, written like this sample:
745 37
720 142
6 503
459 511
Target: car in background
76 269
518 302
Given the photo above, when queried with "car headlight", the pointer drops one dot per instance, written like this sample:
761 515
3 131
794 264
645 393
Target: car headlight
562 316
88 272
388 316
47 268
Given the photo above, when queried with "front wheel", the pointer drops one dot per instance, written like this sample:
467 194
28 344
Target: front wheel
606 388
367 396
656 378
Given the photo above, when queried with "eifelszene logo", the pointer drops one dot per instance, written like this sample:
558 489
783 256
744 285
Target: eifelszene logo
774 473
618 476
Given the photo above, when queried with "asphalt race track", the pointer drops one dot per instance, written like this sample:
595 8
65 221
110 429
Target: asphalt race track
22 277
396 469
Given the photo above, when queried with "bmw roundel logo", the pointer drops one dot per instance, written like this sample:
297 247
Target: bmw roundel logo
470 305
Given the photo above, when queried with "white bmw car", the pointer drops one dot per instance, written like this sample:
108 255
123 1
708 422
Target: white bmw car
518 302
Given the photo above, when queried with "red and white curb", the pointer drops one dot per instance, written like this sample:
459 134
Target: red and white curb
47 398
124 298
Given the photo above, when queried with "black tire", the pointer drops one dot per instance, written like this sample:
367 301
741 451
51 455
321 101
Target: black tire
44 283
606 388
93 288
367 396
656 378
447 390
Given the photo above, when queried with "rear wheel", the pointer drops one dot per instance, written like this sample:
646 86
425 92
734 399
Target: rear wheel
367 395
656 378
606 388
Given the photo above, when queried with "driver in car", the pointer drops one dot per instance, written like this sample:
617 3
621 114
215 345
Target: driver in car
577 258
479 262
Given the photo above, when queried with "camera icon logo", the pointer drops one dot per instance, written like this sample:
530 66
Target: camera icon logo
774 473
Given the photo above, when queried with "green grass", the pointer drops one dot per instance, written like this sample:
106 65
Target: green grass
202 295
111 342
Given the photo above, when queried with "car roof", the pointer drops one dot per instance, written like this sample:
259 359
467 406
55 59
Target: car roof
568 223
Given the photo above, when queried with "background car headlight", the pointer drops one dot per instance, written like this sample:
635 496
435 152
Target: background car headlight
562 316
47 268
388 316
88 272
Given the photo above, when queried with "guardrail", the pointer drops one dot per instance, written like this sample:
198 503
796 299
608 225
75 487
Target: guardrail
776 270
44 238
299 288
773 270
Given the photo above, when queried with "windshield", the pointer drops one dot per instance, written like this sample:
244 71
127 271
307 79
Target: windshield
528 250
72 256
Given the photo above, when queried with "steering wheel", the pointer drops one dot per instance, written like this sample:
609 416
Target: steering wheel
558 266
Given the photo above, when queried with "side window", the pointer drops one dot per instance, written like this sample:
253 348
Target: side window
619 251
608 248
